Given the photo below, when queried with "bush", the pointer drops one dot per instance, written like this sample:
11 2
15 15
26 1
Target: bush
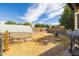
27 23
11 23
42 25
56 34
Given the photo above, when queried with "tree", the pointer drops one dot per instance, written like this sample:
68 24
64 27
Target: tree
42 25
39 25
11 23
27 23
67 18
19 23
46 25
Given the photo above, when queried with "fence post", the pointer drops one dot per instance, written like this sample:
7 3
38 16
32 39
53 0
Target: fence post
6 41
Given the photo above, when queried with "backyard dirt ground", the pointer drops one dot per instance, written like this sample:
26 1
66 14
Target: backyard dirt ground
27 49
34 48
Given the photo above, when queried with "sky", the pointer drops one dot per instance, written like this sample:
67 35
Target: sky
46 13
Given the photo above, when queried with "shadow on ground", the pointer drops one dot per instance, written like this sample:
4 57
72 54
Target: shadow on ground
56 51
59 50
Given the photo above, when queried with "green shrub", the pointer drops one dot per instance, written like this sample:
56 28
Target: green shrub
56 34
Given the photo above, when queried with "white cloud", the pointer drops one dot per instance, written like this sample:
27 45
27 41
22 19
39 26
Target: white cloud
33 13
36 10
53 14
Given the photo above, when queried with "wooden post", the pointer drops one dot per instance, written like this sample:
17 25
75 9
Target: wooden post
6 41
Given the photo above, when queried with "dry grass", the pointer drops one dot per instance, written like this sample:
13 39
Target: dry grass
39 35
39 28
31 48
27 49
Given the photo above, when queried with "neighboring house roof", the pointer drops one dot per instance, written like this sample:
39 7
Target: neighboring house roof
15 28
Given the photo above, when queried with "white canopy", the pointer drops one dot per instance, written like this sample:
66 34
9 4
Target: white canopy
15 28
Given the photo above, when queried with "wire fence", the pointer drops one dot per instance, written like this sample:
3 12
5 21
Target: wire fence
14 37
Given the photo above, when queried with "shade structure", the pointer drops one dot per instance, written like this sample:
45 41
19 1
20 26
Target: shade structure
75 8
